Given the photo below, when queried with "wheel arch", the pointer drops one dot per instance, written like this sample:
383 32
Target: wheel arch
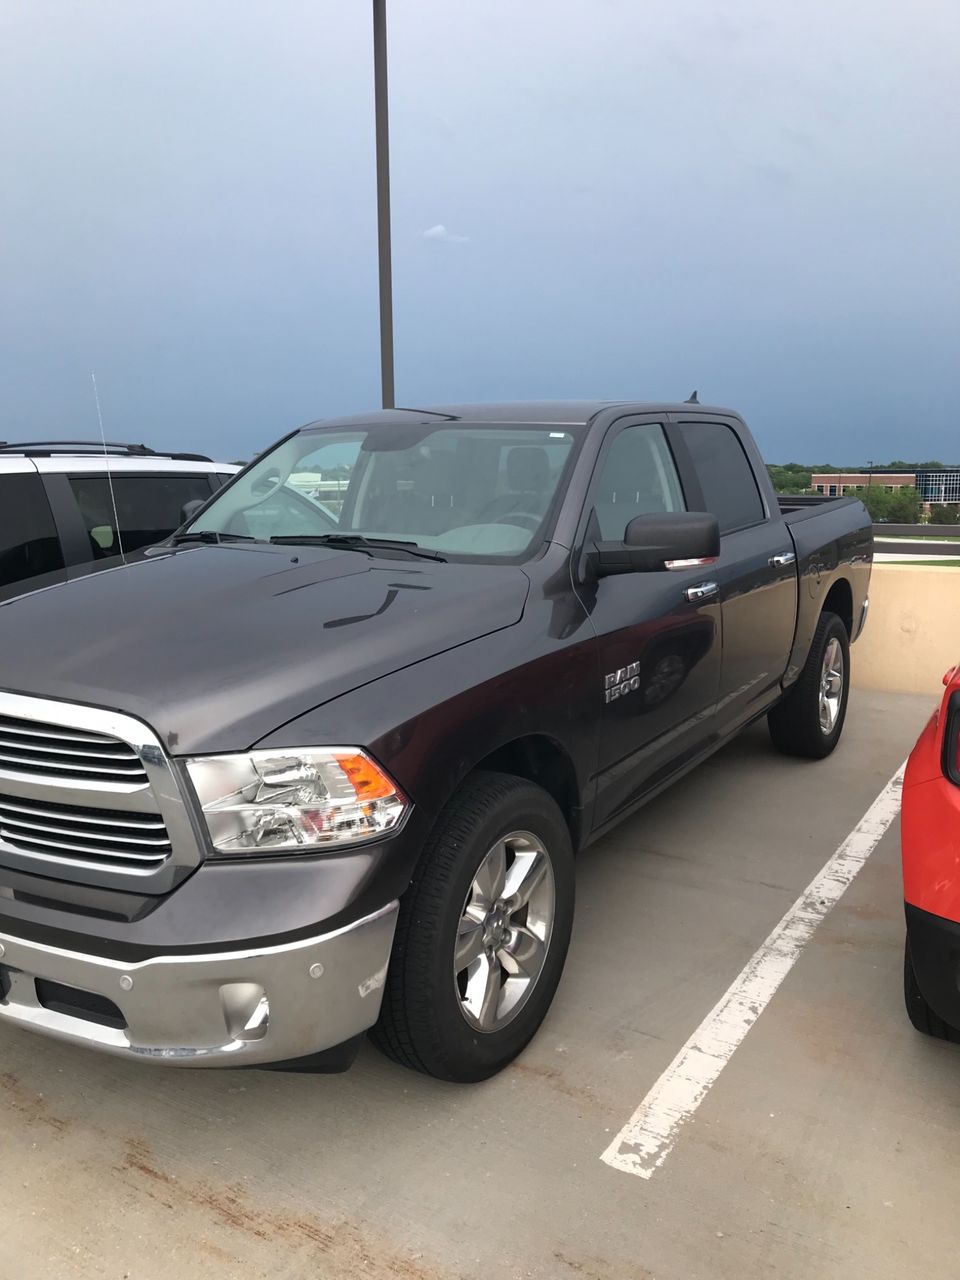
812 602
839 600
543 761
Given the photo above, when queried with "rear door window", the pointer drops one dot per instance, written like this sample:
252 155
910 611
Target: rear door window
726 477
29 546
148 508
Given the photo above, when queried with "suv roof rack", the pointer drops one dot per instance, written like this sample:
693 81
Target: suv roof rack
47 449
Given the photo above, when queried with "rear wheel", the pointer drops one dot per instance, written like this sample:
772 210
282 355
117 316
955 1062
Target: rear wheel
809 720
918 1011
483 932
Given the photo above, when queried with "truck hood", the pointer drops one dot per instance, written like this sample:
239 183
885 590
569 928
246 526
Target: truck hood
216 646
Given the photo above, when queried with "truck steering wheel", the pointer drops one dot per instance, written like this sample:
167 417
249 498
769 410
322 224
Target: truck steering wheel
271 488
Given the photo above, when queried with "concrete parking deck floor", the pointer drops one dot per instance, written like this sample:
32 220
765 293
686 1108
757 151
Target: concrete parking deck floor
827 1147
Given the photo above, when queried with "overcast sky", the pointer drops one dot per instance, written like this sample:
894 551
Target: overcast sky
591 198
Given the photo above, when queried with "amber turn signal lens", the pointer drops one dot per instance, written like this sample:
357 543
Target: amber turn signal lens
368 781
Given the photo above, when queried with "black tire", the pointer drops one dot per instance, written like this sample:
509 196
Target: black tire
421 1024
795 722
919 1012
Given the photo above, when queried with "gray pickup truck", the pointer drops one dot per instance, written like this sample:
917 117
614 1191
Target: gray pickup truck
320 762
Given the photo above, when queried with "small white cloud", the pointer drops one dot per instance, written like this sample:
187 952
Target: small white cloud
440 232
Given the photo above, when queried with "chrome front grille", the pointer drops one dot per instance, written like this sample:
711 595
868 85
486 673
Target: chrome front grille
105 837
90 795
52 751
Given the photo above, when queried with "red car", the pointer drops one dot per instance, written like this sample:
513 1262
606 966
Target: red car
930 836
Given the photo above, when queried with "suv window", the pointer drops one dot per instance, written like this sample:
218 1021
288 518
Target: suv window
149 508
29 545
726 477
638 478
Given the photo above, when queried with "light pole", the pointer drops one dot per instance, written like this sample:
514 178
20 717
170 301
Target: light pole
381 116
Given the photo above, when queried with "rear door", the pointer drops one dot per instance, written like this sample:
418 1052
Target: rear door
757 572
30 552
659 650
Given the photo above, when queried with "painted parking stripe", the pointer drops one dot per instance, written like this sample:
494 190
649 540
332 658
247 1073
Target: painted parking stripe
648 1137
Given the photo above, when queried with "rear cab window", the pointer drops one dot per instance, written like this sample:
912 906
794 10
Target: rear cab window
726 477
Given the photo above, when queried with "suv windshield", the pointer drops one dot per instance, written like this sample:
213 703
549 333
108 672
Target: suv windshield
474 490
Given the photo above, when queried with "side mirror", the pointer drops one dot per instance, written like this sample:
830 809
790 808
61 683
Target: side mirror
190 509
652 543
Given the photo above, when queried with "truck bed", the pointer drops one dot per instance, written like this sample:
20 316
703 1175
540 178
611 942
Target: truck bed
797 507
828 532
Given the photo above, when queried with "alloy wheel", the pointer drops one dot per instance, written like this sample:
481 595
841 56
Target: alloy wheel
831 685
504 931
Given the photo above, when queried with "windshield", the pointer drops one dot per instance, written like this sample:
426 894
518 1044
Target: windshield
480 491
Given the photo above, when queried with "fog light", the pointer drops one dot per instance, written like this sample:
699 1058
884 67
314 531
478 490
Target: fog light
246 1010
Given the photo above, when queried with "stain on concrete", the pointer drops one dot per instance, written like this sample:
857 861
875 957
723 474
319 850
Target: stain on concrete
30 1105
555 1080
597 1269
348 1248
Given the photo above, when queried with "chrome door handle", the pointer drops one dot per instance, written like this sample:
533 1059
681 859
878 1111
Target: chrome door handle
702 591
781 560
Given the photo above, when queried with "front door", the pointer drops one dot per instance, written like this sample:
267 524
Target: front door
659 648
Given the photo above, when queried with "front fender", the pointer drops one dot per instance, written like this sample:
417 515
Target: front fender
431 724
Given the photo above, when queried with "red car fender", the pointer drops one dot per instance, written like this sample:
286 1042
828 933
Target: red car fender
930 821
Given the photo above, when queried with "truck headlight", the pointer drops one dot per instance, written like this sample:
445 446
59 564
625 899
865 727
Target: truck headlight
294 801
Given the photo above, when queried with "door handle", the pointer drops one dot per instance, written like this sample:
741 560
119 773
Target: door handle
702 591
782 559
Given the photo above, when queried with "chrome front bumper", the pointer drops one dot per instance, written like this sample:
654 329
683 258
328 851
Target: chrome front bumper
236 1008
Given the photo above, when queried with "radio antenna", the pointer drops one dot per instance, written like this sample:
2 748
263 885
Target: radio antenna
106 459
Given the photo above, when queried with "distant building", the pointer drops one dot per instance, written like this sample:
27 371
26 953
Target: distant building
836 484
933 487
938 486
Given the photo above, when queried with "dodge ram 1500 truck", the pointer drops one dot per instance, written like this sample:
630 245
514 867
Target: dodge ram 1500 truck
306 770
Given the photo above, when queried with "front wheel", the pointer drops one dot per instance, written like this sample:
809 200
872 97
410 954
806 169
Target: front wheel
483 932
809 720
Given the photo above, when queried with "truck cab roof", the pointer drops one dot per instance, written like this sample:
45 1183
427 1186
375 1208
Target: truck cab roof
536 412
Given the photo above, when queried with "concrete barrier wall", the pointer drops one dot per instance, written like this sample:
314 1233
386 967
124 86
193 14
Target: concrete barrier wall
913 631
916 531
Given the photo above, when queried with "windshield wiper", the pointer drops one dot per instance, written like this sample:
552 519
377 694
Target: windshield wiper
211 535
355 542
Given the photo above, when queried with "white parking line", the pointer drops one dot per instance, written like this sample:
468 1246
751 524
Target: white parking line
648 1137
